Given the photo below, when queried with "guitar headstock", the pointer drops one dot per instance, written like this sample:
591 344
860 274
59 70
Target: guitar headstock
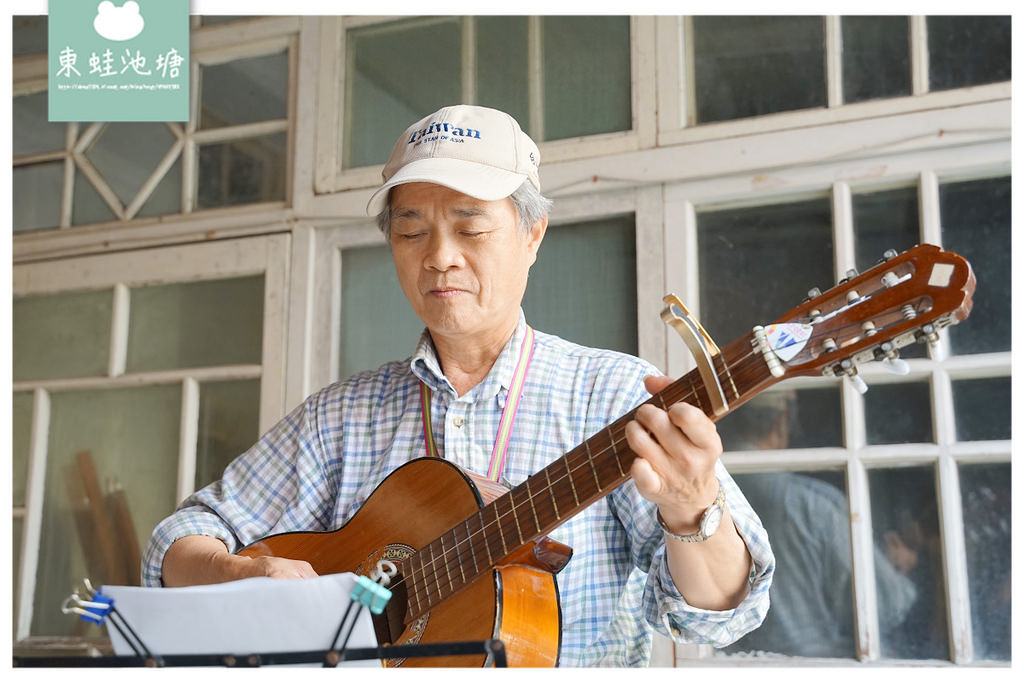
906 298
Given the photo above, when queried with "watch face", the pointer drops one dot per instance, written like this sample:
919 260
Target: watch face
713 517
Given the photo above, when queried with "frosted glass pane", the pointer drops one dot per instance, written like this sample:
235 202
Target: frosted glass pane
586 76
62 335
501 66
242 171
36 196
806 515
397 73
905 524
988 532
976 222
29 34
21 437
583 286
196 324
126 154
757 263
244 91
807 418
982 408
377 323
32 131
750 66
166 197
899 413
876 57
965 51
228 425
132 436
87 206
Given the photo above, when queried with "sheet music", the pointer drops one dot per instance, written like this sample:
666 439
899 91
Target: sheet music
241 617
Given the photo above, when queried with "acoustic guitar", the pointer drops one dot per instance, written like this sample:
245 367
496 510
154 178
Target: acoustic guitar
473 559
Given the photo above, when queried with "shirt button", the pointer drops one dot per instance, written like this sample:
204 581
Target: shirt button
458 422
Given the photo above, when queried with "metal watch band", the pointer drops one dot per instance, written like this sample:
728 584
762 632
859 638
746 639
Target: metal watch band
698 537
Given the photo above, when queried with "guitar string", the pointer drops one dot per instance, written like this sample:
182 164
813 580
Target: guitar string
738 368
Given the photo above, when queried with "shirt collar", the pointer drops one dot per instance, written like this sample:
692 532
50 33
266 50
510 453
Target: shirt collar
426 366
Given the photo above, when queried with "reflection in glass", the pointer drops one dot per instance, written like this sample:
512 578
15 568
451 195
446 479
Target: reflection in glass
976 224
196 324
586 74
987 502
982 408
905 523
804 418
757 263
876 57
228 425
899 413
131 436
242 171
38 188
965 51
756 65
62 335
244 91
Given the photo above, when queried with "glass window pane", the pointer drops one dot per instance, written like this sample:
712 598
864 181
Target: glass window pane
228 425
987 499
385 85
804 418
62 335
132 438
904 518
982 408
742 283
21 437
87 206
882 221
964 51
587 78
594 261
750 66
976 224
501 66
244 91
806 515
242 171
377 323
166 196
876 57
126 154
29 34
38 189
32 131
899 413
196 324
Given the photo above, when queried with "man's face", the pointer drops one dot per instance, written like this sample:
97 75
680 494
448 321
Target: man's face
462 262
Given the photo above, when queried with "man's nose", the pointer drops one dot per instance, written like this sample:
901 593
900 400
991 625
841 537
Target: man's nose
442 251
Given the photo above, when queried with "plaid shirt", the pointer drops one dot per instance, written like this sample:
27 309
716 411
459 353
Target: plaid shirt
315 468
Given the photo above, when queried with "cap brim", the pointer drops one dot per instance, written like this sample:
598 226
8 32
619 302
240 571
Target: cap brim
468 177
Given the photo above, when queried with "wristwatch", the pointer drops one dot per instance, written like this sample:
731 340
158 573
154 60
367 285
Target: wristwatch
709 521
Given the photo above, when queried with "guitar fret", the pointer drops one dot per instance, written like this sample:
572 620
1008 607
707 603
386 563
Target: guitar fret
447 569
433 570
515 515
483 535
615 451
696 394
501 531
590 461
415 591
554 498
472 550
458 556
532 506
728 374
572 483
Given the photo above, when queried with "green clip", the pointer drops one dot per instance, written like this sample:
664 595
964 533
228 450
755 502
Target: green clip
370 594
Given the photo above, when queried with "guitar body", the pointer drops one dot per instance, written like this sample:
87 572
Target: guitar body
517 602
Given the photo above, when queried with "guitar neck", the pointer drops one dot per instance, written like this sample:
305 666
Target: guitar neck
565 487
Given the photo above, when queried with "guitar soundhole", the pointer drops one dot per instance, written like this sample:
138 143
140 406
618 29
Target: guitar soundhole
390 626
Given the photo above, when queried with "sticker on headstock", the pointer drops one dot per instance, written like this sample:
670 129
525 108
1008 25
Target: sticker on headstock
786 340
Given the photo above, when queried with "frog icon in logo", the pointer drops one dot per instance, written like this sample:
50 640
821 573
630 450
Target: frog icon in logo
118 23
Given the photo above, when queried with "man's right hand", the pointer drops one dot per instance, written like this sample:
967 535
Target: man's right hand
195 560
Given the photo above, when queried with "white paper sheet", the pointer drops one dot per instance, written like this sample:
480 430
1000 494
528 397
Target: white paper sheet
241 617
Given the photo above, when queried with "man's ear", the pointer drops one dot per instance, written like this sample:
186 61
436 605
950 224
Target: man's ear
535 237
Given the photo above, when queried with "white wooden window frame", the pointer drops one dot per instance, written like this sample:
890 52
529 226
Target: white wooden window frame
120 272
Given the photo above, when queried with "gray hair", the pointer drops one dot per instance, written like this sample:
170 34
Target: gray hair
530 205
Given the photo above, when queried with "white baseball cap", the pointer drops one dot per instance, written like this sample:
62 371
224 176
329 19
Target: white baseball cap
474 150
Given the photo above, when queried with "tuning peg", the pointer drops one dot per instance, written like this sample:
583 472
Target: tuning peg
858 383
928 334
890 254
896 366
847 369
813 293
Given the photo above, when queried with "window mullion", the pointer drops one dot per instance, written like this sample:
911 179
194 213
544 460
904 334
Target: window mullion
469 60
535 76
954 555
834 61
865 595
189 437
120 316
34 495
918 55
